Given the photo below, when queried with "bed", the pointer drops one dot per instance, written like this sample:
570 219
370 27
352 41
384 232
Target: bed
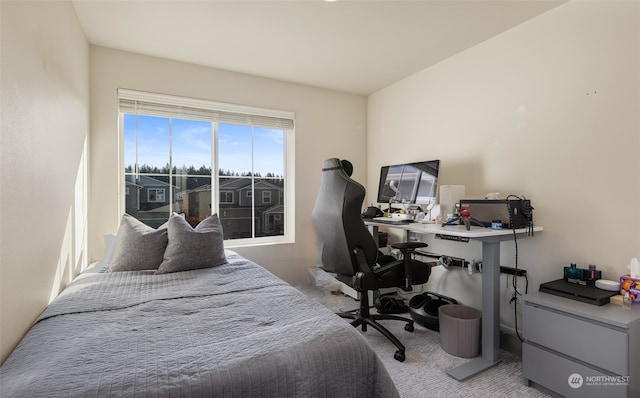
233 330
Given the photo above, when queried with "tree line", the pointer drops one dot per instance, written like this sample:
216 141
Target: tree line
196 177
192 171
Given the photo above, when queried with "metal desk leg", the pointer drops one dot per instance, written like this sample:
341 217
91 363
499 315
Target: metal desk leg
490 315
373 230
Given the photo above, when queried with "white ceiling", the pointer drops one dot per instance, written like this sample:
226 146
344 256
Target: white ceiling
353 46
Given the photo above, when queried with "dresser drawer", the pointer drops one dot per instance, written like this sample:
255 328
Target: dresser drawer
555 373
597 344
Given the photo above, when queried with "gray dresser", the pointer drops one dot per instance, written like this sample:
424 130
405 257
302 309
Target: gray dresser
575 349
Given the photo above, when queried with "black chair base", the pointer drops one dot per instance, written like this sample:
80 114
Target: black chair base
363 318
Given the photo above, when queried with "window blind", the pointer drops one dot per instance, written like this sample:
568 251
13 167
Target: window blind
142 103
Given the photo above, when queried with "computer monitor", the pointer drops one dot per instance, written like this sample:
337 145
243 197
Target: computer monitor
409 183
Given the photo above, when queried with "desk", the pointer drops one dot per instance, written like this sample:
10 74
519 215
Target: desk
491 239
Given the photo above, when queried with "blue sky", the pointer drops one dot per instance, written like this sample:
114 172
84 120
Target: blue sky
192 145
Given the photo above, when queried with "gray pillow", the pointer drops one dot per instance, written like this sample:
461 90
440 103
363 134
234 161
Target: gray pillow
189 248
138 246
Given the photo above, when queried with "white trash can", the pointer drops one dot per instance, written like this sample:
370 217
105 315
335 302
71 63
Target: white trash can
460 328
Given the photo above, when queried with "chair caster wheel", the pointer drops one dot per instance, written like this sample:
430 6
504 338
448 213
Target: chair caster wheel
409 327
399 356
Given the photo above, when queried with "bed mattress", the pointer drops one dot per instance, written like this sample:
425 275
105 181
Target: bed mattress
234 330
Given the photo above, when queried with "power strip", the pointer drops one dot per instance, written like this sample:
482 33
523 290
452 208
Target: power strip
512 271
462 263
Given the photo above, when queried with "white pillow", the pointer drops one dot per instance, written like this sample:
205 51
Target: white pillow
189 248
109 248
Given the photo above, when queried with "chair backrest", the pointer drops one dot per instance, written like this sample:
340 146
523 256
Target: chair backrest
338 221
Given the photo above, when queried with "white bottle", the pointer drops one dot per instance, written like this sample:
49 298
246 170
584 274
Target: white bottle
626 301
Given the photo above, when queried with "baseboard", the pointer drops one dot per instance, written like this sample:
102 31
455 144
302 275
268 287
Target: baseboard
543 389
509 341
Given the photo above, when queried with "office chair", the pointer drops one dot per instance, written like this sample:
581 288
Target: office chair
349 250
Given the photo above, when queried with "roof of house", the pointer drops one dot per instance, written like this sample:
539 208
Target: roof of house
145 181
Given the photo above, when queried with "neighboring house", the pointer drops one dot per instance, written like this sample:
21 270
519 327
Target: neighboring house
273 220
237 210
147 199
242 207
195 203
132 195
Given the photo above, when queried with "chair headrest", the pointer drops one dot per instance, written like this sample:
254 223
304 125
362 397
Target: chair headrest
337 164
331 164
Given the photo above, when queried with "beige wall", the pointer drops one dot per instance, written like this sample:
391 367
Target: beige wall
328 124
45 121
549 109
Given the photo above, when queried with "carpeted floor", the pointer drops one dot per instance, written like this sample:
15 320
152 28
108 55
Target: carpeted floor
423 373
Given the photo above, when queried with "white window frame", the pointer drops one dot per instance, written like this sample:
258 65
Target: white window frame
207 108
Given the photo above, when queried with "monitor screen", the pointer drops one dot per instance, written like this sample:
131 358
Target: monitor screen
409 183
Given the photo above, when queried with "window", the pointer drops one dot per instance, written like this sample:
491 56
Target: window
226 197
155 194
192 156
266 197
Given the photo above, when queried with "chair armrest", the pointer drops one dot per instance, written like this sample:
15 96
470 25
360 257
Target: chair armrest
408 245
363 277
407 248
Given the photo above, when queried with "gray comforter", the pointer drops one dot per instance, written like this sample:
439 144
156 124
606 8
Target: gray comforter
231 331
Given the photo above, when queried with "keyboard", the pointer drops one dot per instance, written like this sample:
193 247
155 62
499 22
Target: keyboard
390 220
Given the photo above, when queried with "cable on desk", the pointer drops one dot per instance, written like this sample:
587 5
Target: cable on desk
514 281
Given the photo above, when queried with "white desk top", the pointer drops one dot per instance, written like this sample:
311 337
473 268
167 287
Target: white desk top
453 230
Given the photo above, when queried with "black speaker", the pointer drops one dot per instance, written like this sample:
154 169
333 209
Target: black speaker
518 211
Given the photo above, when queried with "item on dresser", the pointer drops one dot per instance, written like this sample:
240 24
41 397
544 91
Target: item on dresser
617 300
632 286
626 301
608 285
585 293
581 276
